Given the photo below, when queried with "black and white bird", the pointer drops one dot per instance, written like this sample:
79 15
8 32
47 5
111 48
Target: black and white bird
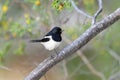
52 39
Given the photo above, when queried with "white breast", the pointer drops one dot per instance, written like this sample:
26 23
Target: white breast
50 45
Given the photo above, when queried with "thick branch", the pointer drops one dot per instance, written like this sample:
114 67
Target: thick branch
95 29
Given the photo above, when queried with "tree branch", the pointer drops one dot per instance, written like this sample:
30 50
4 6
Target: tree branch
95 29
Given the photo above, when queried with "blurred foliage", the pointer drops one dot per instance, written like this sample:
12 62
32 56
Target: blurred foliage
76 31
11 29
61 4
90 6
3 50
21 48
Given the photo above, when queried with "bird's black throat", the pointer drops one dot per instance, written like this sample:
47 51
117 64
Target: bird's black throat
57 37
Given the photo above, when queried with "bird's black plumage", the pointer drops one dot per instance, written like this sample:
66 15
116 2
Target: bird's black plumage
55 33
41 40
55 30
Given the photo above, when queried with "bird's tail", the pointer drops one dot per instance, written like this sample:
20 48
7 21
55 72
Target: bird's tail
37 40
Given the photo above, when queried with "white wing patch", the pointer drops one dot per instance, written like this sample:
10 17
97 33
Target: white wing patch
50 45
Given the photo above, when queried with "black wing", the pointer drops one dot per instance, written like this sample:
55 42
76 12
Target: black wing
45 39
41 40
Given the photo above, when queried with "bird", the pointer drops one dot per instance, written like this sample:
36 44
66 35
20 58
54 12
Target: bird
52 39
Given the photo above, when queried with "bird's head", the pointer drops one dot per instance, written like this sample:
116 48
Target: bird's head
56 30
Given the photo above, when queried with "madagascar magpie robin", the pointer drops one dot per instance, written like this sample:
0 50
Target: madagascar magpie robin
52 39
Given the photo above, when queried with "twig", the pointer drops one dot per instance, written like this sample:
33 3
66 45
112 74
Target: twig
114 54
45 77
91 17
98 11
80 11
95 29
116 76
91 68
86 61
5 68
65 68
